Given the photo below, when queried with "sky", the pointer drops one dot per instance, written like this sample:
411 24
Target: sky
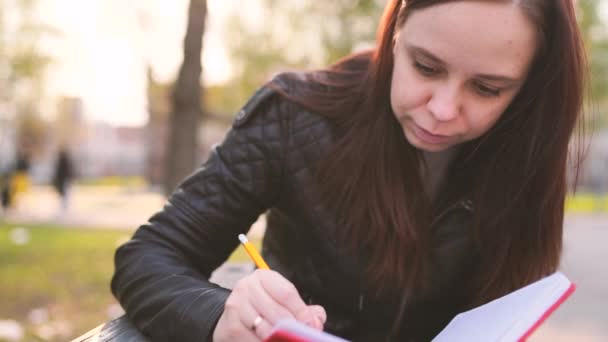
103 47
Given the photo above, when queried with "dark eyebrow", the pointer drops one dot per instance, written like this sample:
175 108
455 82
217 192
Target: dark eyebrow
425 53
484 77
498 78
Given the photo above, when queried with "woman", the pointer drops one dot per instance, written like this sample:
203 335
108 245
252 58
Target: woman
405 184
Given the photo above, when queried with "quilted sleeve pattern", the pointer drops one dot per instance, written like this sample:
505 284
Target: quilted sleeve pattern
161 275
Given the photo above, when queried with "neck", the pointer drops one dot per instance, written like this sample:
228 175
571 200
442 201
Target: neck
434 167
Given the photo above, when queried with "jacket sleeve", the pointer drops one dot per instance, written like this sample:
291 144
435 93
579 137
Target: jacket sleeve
161 274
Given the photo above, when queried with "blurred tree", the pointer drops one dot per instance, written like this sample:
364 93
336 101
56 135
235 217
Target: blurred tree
187 112
32 130
156 129
22 68
292 34
593 26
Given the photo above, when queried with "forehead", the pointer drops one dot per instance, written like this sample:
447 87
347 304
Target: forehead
478 36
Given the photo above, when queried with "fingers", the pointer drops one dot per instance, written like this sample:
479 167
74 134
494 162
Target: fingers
319 311
260 300
231 327
266 305
254 322
261 327
275 287
283 292
320 315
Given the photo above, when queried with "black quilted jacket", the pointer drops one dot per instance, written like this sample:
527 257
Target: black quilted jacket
264 163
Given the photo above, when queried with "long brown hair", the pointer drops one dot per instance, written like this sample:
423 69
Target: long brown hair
515 173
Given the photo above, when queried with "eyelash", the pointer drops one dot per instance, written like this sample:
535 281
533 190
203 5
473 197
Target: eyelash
486 91
480 89
424 69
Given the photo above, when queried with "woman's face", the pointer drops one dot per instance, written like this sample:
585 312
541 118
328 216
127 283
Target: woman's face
457 67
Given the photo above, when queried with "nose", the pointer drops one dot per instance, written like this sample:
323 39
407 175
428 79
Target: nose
445 102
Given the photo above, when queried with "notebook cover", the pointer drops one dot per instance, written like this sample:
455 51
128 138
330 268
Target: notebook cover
548 313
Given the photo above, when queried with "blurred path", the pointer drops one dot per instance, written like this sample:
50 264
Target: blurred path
583 318
90 206
112 207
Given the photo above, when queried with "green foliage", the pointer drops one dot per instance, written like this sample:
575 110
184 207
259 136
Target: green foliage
313 34
19 51
292 35
595 32
350 22
23 66
225 99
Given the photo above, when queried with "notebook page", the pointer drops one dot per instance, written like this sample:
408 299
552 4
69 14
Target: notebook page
526 320
506 317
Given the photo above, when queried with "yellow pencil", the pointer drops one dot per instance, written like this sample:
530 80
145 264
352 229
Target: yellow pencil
253 253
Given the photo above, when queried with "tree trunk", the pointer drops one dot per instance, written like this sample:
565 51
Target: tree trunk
187 110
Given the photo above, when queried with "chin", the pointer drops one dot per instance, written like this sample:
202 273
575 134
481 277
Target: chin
432 148
424 146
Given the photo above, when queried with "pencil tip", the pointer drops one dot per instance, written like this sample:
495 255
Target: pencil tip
243 238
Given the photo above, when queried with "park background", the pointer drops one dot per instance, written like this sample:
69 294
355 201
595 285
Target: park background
112 80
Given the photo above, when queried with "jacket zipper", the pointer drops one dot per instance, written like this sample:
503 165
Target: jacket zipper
464 204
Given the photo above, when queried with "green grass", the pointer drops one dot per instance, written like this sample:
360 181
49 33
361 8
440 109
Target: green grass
66 271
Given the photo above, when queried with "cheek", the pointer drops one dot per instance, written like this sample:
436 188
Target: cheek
405 90
482 116
397 93
482 124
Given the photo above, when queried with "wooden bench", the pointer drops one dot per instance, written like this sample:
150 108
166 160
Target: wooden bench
117 330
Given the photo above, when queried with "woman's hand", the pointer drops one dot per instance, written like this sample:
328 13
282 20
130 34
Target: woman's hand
257 302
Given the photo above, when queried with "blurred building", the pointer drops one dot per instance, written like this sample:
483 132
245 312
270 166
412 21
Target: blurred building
70 121
111 151
97 149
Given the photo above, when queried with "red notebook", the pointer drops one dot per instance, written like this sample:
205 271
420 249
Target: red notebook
511 318
289 330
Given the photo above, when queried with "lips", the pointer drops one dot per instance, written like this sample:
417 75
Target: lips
428 137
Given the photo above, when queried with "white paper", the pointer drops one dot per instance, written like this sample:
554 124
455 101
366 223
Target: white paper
507 318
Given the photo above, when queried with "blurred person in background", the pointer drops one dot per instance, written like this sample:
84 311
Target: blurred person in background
62 177
6 190
404 184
